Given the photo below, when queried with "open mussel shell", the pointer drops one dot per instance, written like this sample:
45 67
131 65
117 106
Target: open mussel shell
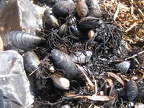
64 62
24 41
123 66
50 19
60 82
31 61
131 90
63 8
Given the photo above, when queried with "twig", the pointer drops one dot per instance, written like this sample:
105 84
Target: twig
134 55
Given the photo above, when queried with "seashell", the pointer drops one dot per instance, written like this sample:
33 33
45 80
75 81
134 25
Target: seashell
91 34
141 90
139 105
65 106
24 41
94 8
80 57
50 19
74 31
123 66
82 9
65 62
63 29
31 61
60 82
71 20
131 90
89 23
63 8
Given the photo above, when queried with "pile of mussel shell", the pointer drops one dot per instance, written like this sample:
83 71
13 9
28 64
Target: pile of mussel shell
78 59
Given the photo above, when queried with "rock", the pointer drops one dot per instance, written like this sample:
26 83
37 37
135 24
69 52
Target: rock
14 84
17 15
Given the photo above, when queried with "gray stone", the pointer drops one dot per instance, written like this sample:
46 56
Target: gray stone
14 83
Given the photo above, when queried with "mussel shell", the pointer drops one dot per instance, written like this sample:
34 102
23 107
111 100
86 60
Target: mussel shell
80 57
31 61
63 29
123 66
50 19
131 90
71 20
94 8
82 9
88 23
141 90
64 62
63 8
60 82
95 13
24 41
74 31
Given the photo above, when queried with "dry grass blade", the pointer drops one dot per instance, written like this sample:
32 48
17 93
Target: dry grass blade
117 11
132 26
86 77
93 97
116 77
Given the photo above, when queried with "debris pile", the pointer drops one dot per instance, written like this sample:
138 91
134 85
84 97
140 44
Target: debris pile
85 54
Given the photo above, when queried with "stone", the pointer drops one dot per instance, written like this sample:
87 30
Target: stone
14 84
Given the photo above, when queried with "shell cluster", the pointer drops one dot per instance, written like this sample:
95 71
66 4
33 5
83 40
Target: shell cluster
78 56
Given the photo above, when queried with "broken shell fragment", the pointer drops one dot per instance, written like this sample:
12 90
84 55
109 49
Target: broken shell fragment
60 82
123 66
24 41
31 61
131 90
